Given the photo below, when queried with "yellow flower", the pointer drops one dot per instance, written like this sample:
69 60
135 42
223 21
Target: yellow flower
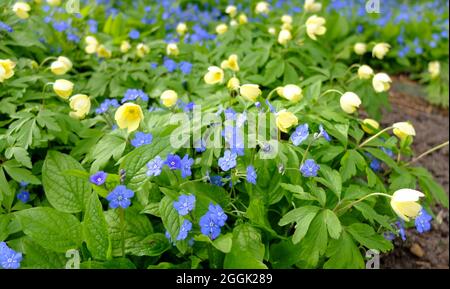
286 19
381 82
284 37
142 50
129 116
63 88
221 28
233 22
434 68
250 91
21 9
262 8
61 66
404 203
312 6
172 49
103 52
380 50
291 92
365 72
350 102
53 2
233 83
182 28
403 130
6 69
272 30
80 104
231 63
315 26
370 125
169 98
92 44
286 26
285 120
360 48
215 75
243 19
125 46
231 10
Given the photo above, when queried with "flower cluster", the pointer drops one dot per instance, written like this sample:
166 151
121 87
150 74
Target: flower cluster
9 259
212 222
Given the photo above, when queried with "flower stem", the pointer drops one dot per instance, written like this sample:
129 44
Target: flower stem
122 229
429 152
331 90
374 136
336 209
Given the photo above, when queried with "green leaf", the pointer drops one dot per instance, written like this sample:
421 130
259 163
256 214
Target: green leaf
95 229
343 254
367 237
303 217
333 224
53 230
153 245
381 155
257 213
315 242
18 173
37 257
21 155
64 192
223 243
331 179
370 214
172 222
110 146
247 250
349 162
284 254
117 263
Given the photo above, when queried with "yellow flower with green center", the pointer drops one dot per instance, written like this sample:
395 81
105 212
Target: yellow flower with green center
129 116
404 203
6 69
285 120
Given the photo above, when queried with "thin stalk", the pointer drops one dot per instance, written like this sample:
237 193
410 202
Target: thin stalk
374 136
429 152
336 209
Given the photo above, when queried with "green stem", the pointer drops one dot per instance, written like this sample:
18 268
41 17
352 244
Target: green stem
272 92
331 90
122 229
336 209
429 152
374 136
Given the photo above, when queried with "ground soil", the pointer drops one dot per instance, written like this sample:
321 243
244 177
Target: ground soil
432 128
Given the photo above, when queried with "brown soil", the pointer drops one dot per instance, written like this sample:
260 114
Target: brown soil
432 128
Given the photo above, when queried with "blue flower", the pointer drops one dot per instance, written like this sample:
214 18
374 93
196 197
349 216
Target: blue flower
235 138
23 196
200 146
9 259
141 139
93 26
309 168
99 178
389 236
185 67
120 197
228 161
216 180
170 65
155 166
251 175
300 134
61 26
375 165
217 214
185 204
270 106
387 151
186 227
106 104
186 164
189 106
323 132
153 65
209 227
401 229
173 162
6 27
167 234
134 34
423 222
23 184
133 94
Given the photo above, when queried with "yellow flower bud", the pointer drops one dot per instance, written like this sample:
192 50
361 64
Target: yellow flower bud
231 10
125 46
231 63
80 104
312 7
284 37
172 49
61 66
403 130
233 22
286 19
404 203
434 68
262 8
285 120
286 26
243 19
214 75
315 26
221 28
53 2
381 82
169 98
291 92
21 9
63 88
380 50
103 52
250 91
6 69
360 48
233 83
365 72
350 102
182 28
129 116
272 30
92 45
142 50
370 125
